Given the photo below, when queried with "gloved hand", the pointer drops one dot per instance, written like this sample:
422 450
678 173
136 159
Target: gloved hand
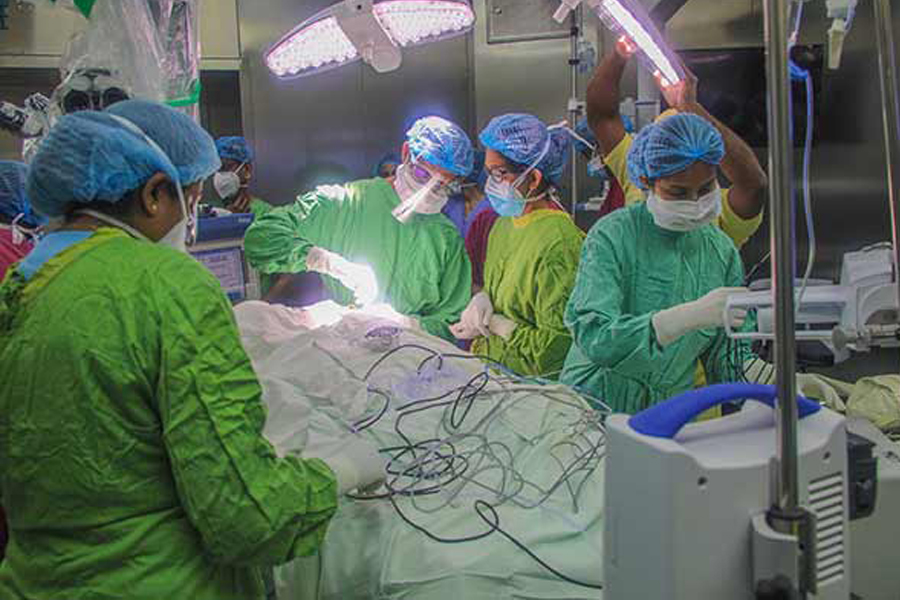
502 326
707 312
461 331
357 465
477 315
360 279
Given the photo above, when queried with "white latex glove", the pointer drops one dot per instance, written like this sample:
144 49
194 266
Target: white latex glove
357 465
477 315
360 279
461 331
502 326
707 312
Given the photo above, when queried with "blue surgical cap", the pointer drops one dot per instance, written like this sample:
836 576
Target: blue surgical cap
478 174
522 139
584 130
234 148
13 201
439 142
187 144
672 145
92 156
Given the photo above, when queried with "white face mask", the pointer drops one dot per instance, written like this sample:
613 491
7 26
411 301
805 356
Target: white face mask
228 183
685 215
417 197
177 236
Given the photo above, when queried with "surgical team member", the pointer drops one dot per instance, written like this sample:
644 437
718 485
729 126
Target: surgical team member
742 204
654 277
611 193
532 254
389 231
131 419
232 181
18 221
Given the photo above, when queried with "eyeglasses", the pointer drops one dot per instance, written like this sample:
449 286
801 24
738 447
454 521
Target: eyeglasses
424 175
498 174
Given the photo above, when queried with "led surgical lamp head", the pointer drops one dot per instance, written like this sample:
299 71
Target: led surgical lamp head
630 19
371 30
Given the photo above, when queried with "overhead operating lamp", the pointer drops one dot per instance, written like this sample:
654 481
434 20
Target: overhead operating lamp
371 30
631 20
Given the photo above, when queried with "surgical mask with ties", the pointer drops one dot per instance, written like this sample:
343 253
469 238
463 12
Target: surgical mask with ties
685 215
228 183
505 197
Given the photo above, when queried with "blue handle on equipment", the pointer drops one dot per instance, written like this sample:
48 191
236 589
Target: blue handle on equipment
667 418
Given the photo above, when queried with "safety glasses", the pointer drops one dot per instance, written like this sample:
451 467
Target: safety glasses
423 175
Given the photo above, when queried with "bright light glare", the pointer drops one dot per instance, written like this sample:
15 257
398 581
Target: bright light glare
324 314
320 44
627 22
410 22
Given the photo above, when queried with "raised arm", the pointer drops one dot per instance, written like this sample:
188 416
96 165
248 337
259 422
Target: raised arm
748 180
603 99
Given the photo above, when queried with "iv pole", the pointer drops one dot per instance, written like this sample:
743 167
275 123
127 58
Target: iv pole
574 105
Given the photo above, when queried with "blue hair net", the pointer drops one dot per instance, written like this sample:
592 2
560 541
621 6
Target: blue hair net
391 158
13 201
522 139
441 143
584 130
234 148
91 156
478 174
187 144
671 146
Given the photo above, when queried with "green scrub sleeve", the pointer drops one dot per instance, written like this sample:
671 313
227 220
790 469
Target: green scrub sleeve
623 342
279 240
541 348
249 506
456 291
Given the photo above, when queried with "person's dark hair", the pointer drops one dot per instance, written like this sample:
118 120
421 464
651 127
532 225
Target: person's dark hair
124 207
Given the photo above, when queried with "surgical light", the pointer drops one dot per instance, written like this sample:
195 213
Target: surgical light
369 30
629 18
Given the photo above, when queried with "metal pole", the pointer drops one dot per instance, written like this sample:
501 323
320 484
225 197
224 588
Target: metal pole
781 200
574 111
884 37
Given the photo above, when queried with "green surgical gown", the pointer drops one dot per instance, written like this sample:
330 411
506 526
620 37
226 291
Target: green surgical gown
529 273
132 461
630 269
421 266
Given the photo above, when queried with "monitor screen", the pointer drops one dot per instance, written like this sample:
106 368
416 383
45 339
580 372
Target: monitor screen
733 89
227 264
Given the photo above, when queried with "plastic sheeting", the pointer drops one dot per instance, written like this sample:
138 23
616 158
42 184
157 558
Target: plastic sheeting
150 48
315 386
